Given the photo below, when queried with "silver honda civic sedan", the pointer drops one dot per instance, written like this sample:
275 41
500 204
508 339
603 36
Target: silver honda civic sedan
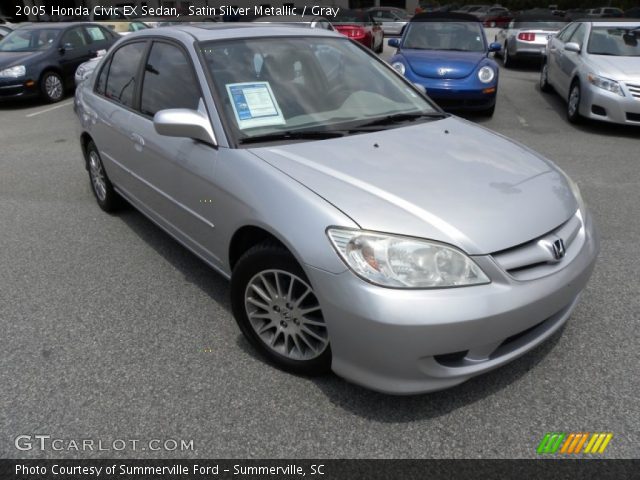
595 67
364 231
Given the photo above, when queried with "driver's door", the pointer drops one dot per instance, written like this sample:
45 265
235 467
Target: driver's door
73 50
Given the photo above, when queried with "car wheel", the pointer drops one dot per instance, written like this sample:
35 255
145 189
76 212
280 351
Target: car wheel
278 311
506 58
107 198
52 87
544 78
573 103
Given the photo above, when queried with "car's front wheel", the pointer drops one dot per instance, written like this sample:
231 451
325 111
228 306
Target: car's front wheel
507 62
52 87
278 312
573 103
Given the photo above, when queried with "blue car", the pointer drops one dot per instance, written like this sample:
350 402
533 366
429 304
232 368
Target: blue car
448 54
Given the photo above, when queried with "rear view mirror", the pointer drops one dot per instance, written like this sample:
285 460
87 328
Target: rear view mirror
394 42
572 47
185 123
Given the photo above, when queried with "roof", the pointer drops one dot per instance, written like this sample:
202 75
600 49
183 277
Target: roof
445 17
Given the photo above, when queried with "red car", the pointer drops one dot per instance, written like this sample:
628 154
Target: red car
497 19
360 26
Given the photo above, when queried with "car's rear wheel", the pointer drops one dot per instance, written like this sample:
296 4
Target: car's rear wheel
545 86
507 62
107 198
278 312
573 103
52 87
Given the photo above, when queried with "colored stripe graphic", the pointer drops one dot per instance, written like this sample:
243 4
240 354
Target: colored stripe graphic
572 443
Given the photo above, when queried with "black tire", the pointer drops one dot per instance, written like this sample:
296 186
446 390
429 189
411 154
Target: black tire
489 111
52 87
574 115
507 61
545 86
108 199
265 258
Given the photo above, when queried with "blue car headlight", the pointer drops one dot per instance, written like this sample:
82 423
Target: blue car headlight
486 74
398 67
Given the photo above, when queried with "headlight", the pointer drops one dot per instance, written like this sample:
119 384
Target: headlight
486 74
398 67
14 72
605 84
404 262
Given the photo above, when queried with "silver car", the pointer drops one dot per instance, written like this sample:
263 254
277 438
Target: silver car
392 20
595 67
526 37
363 229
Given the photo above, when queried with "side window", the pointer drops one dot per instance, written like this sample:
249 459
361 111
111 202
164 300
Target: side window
578 35
102 78
74 38
566 33
96 34
169 81
121 77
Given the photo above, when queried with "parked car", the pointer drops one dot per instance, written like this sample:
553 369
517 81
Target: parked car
486 10
349 245
361 27
469 8
605 12
632 12
85 69
392 19
41 59
424 7
309 21
526 36
595 67
125 27
447 53
498 19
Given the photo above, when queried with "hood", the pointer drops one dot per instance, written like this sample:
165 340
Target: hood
616 68
445 180
426 63
9 59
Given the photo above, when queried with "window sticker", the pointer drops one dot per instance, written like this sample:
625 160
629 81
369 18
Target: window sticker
254 104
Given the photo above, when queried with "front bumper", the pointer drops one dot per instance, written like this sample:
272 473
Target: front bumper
18 88
416 341
450 96
600 104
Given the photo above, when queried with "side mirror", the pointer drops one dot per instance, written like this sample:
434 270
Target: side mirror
572 47
185 123
495 47
394 42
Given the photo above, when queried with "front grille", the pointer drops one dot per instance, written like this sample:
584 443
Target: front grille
536 258
634 90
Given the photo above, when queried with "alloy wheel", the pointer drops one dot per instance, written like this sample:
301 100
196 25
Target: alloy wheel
53 87
97 176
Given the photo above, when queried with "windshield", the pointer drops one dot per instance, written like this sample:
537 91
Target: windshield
461 36
616 41
29 40
303 84
350 16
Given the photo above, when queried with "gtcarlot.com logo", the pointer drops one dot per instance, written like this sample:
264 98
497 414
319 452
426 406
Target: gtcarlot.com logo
574 443
49 443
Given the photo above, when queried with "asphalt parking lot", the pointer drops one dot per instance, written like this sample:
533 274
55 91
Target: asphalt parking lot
111 330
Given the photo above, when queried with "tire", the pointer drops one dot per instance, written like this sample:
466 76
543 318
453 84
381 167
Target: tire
102 188
573 103
507 61
545 86
266 283
52 87
489 111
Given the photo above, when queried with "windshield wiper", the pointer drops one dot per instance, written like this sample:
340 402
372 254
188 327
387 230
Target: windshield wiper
399 118
289 135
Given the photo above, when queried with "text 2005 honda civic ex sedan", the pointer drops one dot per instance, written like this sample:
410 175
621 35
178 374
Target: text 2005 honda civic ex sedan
363 230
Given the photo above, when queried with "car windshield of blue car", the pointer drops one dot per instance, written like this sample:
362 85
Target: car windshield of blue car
29 40
308 85
615 41
456 36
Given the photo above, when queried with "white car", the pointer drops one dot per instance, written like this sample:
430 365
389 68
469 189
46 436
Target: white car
595 67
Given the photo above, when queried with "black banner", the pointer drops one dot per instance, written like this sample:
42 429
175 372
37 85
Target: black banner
319 469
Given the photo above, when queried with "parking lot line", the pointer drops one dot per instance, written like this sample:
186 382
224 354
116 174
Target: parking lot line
49 109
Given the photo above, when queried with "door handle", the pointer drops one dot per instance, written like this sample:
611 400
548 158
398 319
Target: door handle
137 140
